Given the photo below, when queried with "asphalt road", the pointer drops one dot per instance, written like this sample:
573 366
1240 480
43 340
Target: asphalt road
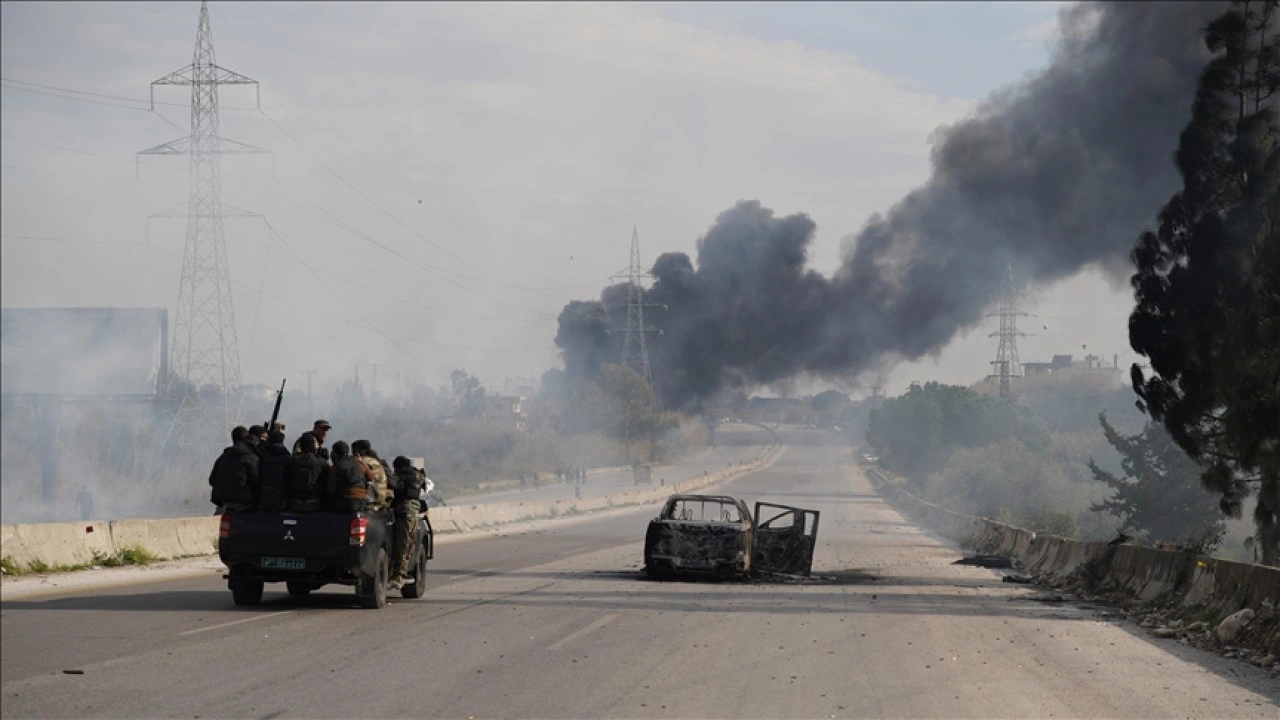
558 623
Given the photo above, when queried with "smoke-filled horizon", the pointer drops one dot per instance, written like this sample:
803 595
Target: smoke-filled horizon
1053 176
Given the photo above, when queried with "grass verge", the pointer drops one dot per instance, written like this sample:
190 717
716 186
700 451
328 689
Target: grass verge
136 555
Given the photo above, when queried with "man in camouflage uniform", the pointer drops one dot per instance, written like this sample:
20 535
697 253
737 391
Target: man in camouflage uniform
375 473
406 484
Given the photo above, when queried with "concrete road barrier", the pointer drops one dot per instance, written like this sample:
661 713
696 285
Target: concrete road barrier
55 544
1204 585
66 544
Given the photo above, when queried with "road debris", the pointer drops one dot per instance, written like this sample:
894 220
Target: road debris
986 561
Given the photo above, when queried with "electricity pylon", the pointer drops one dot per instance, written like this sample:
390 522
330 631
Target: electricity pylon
204 348
635 348
1006 367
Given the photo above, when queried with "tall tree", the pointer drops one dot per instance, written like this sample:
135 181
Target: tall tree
468 393
1158 495
1208 277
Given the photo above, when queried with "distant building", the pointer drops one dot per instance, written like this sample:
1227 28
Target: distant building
1061 364
505 410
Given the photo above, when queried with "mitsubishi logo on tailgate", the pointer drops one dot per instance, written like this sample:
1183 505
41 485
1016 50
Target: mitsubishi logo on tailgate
288 535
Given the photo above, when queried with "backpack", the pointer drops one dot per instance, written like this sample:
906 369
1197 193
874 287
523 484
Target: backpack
306 477
273 467
233 476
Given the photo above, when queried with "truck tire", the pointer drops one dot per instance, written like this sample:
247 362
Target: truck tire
418 587
246 592
373 591
299 588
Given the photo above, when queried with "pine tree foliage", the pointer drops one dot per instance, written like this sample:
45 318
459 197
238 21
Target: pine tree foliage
1158 496
1208 277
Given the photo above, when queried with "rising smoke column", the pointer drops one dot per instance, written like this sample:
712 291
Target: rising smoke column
1054 175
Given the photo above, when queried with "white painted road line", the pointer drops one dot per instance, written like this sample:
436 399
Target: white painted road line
575 635
236 622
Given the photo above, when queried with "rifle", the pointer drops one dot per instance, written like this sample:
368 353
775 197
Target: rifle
275 414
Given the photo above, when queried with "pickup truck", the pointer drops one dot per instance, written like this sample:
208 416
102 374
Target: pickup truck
308 550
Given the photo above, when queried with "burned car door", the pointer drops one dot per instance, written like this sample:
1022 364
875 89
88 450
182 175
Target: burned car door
785 539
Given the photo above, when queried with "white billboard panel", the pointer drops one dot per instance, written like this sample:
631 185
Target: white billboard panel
83 351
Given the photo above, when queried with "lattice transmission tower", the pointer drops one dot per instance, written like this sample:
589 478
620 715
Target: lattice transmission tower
204 348
1006 367
635 348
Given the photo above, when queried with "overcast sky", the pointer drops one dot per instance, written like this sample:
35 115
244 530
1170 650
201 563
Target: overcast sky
502 152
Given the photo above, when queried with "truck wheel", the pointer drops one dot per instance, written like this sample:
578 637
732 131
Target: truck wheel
246 592
298 588
418 587
373 591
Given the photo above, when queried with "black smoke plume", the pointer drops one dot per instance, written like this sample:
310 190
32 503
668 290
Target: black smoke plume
1054 175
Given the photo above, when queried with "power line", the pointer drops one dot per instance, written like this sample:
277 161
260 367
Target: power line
143 102
350 307
406 226
261 290
542 317
306 204
500 280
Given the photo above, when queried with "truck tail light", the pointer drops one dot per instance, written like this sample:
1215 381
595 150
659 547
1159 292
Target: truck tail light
359 528
224 526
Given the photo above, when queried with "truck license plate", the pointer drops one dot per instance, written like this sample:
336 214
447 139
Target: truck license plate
284 563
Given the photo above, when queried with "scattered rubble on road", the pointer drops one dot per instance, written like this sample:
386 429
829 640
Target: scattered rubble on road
1186 626
1224 636
986 561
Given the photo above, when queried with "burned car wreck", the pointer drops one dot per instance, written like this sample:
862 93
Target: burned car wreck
718 535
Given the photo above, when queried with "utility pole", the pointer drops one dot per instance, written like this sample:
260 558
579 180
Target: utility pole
1006 368
311 404
204 350
373 390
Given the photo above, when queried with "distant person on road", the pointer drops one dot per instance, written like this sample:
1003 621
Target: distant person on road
273 466
84 501
523 485
318 431
406 484
308 477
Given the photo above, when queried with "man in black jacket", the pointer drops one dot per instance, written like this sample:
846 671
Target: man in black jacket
350 486
235 478
273 464
308 477
237 434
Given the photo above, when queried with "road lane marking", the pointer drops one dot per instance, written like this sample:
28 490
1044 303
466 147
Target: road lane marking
236 622
575 635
